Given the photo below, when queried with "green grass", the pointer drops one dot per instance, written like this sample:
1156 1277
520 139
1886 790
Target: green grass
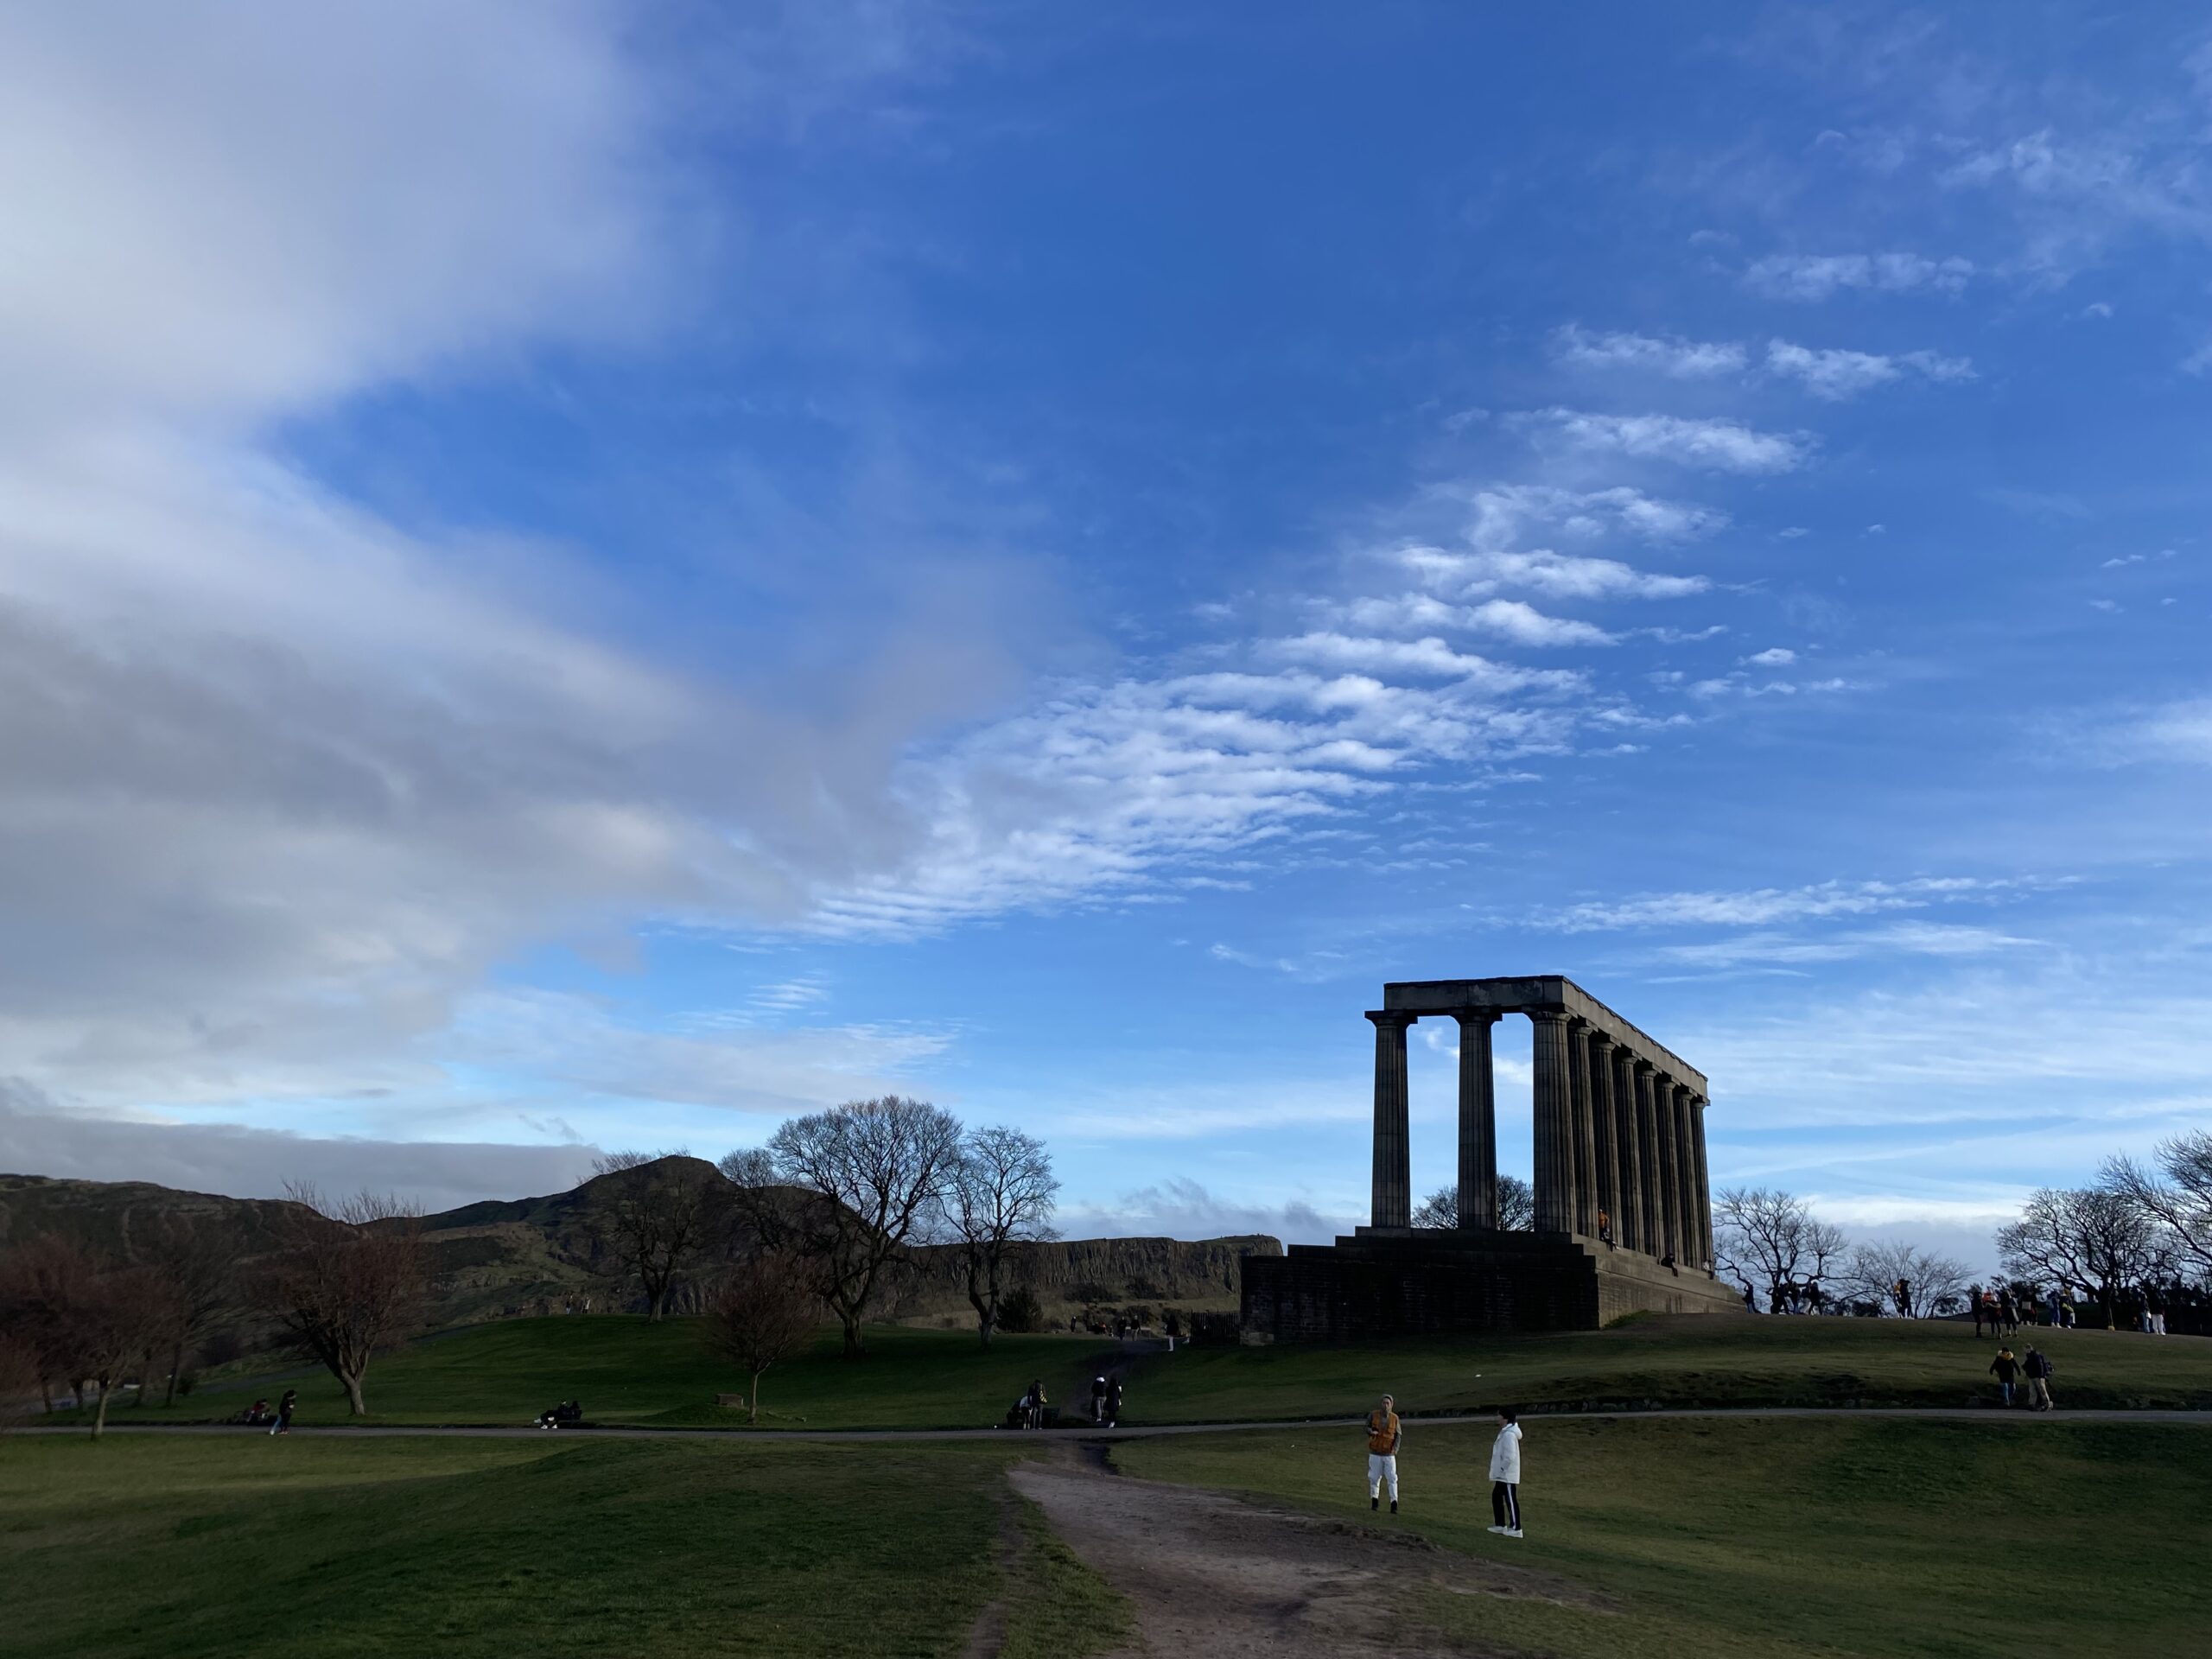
626 1371
1775 1538
326 1549
1683 1360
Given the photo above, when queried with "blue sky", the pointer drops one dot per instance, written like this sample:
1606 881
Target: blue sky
578 576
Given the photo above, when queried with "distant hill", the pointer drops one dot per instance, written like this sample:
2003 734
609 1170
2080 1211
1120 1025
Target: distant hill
505 1259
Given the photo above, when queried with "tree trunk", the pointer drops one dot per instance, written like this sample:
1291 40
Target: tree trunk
100 1417
752 1404
353 1402
855 1347
176 1364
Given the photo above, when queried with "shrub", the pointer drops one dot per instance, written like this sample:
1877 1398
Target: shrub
1020 1312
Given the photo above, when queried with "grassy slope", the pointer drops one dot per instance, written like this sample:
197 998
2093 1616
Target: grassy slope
1765 1539
627 1371
1679 1361
319 1549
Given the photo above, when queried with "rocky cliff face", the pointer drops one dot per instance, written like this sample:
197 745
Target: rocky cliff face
1116 1270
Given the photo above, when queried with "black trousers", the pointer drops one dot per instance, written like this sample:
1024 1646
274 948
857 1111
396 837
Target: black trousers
1505 1503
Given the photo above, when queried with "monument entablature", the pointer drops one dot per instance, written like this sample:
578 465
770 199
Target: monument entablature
1548 992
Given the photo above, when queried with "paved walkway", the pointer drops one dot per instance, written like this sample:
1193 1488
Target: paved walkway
1079 1432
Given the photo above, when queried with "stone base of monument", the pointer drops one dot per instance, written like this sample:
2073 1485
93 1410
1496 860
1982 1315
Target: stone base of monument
1418 1282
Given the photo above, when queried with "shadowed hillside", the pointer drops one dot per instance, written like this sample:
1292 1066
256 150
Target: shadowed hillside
512 1258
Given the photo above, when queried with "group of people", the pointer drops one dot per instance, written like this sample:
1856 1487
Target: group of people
2030 1372
1386 1432
2005 1313
1106 1402
277 1419
1996 1309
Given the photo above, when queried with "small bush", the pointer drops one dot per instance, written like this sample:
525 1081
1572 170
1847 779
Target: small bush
1021 1312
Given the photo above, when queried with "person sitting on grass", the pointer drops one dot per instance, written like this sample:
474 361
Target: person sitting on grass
2005 1368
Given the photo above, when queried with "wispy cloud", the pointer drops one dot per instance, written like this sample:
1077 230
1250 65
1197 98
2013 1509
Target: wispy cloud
1837 375
1680 359
1819 277
1919 939
1562 575
1759 906
1712 445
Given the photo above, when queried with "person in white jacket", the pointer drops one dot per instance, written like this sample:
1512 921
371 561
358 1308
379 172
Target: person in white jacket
1505 1475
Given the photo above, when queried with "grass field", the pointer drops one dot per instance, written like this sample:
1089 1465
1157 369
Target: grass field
627 1371
1680 1361
1805 1536
314 1549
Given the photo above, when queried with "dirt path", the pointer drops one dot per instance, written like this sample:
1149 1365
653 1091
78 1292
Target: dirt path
1210 1573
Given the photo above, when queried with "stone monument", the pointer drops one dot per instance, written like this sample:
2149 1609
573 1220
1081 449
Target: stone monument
1619 1134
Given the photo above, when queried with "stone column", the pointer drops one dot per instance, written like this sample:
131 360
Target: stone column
1647 1132
1478 1122
1687 1158
1392 1204
1605 1144
1630 1214
1670 1168
1582 1120
1702 1193
1554 1130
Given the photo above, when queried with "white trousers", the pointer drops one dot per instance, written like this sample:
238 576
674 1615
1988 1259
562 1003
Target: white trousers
1381 1469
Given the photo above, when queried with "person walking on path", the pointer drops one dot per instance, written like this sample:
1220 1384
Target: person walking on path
2036 1364
286 1403
1097 1400
2005 1368
1114 1402
1505 1475
1383 1434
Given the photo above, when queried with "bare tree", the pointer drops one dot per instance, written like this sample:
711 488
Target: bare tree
847 1189
348 1279
41 1281
1762 1236
196 1268
654 1217
2176 1196
120 1315
1000 1195
2092 1239
765 1310
19 1378
1876 1271
1516 1206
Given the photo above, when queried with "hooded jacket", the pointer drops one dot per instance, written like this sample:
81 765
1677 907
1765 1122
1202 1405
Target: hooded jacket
1505 1455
